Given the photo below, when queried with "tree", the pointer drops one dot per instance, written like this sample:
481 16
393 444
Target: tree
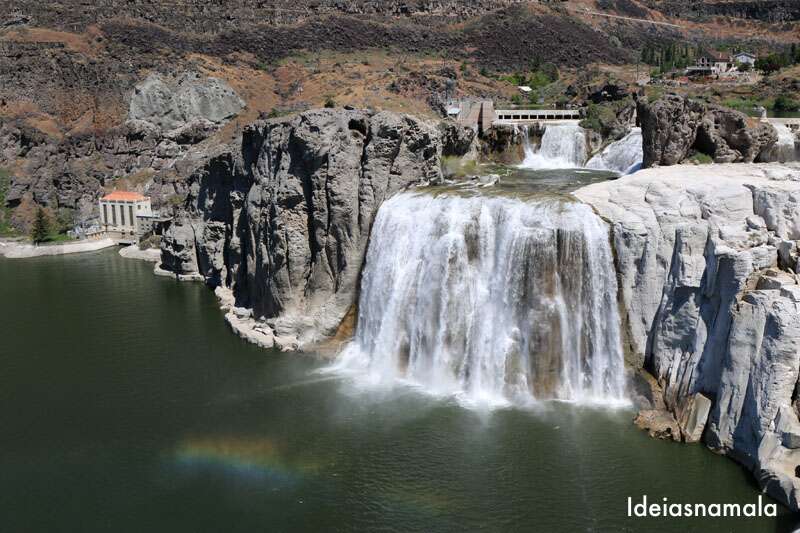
785 102
41 227
768 65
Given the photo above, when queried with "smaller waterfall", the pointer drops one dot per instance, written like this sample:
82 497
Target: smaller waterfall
563 146
623 156
786 149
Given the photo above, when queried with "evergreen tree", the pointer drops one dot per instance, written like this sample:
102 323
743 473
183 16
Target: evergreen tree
41 227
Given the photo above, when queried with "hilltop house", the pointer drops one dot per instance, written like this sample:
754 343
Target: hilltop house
714 63
744 57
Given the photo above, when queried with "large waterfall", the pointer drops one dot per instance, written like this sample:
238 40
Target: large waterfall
563 146
490 299
623 156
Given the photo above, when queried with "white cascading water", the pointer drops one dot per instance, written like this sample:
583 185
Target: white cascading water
623 156
563 146
786 149
490 299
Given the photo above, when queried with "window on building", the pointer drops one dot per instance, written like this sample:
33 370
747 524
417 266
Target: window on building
113 215
105 213
130 214
121 215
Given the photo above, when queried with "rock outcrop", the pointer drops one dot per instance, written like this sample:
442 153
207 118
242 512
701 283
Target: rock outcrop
282 222
673 127
707 264
504 143
188 101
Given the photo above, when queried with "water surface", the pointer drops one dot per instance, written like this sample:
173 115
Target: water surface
127 405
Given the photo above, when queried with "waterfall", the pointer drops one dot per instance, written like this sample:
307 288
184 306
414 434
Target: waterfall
563 146
786 149
623 156
491 299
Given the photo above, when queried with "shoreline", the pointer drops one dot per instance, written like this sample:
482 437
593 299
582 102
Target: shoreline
15 250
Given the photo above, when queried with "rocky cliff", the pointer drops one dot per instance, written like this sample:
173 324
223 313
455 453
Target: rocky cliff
280 224
707 259
159 144
675 127
765 10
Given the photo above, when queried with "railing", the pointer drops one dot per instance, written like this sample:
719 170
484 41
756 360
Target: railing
536 114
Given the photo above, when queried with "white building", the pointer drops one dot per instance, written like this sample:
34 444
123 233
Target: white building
123 213
745 57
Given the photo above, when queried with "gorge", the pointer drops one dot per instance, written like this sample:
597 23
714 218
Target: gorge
504 299
400 265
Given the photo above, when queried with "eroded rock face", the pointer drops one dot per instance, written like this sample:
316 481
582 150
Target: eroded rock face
706 258
70 173
673 127
283 222
172 104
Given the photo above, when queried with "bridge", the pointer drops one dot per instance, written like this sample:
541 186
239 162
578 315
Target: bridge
481 114
527 116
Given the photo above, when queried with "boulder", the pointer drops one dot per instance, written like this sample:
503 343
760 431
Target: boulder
669 129
457 140
659 424
729 136
692 417
172 103
503 143
673 127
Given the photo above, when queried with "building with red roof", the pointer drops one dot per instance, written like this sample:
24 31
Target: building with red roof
126 215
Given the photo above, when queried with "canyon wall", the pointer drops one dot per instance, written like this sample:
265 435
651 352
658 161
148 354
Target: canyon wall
280 224
707 263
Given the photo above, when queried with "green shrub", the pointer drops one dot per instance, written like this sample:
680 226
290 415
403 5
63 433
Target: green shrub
41 227
455 167
6 229
784 102
700 158
601 117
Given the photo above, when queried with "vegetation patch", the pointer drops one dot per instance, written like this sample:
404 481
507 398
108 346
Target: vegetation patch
699 158
785 102
455 167
604 118
6 229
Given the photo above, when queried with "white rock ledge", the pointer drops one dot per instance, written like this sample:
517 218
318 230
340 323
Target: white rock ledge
24 251
707 261
151 255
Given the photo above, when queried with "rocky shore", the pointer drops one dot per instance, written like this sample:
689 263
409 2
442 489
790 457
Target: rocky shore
17 250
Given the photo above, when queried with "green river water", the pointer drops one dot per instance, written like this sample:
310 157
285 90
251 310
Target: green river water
127 405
